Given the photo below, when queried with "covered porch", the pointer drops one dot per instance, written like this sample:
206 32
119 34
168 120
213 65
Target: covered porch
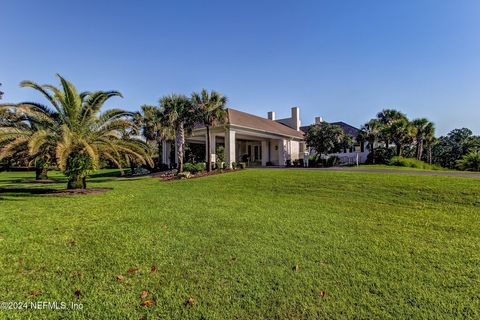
244 145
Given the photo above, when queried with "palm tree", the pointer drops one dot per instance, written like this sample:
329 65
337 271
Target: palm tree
401 132
210 111
371 133
386 117
421 126
178 115
79 134
18 127
430 140
153 127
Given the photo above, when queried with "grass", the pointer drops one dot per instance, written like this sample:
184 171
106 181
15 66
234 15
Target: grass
379 246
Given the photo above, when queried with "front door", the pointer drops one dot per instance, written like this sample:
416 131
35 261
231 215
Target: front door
254 151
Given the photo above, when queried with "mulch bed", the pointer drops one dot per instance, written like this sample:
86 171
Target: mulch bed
172 174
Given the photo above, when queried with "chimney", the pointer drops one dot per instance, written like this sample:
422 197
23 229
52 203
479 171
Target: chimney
271 115
318 120
296 118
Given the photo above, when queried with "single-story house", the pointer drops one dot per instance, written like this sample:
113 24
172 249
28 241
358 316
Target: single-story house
259 141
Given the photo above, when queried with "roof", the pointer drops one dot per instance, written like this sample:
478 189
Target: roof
347 129
243 119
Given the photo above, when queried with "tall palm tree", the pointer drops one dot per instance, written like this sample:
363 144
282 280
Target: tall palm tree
153 128
386 117
421 126
210 109
79 133
178 115
371 133
401 132
430 140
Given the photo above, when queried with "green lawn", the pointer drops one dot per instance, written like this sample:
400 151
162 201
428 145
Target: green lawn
378 245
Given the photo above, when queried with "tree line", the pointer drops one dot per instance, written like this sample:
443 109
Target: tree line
391 133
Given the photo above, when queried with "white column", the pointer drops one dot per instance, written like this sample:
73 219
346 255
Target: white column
281 152
265 152
213 147
230 147
164 152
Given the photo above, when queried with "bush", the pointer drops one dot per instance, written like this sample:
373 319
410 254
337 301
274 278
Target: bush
234 165
243 165
381 156
470 162
194 168
269 163
411 163
332 161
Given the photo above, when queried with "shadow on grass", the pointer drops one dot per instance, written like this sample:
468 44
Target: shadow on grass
22 191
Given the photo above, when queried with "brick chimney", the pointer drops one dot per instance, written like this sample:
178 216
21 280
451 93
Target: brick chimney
318 120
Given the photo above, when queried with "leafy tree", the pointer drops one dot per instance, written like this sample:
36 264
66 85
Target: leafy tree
429 140
470 162
452 147
79 133
324 138
178 115
210 110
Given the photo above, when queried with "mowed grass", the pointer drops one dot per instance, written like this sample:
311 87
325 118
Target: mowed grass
378 245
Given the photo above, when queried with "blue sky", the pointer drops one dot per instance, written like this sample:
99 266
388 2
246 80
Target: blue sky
343 60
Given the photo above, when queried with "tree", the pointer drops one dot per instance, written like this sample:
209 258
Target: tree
370 132
153 128
17 128
401 133
430 140
386 117
178 115
80 135
471 161
452 147
423 127
210 110
324 138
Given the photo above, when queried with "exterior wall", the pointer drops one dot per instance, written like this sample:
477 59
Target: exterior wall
274 151
294 150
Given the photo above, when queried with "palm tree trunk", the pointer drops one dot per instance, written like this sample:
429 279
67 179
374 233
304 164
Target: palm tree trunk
399 149
372 150
420 149
209 153
180 145
160 153
430 153
41 173
76 182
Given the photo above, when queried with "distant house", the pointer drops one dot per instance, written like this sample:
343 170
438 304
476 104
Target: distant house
259 141
357 152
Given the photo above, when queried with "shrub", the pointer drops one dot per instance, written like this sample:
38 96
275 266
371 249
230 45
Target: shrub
332 161
234 165
470 162
225 165
243 165
269 163
411 163
194 167
381 156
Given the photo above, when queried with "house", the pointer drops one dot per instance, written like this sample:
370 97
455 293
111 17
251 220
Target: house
253 139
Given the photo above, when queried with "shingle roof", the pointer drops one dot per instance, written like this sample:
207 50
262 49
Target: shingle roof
347 129
251 121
